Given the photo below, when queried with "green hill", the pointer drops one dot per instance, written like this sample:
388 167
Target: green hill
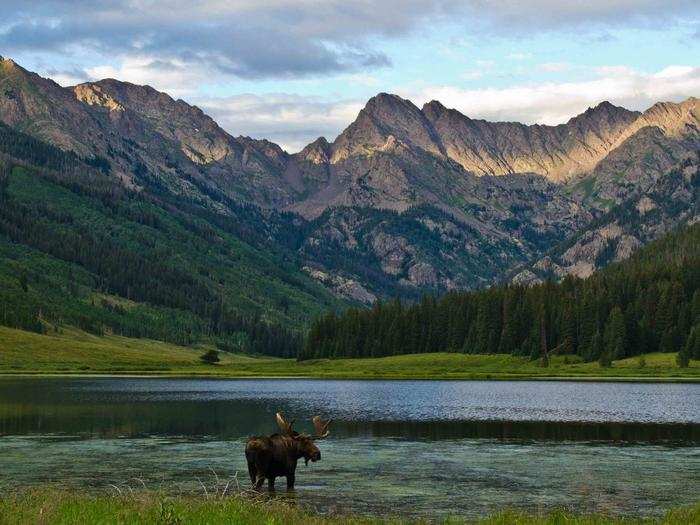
79 249
648 303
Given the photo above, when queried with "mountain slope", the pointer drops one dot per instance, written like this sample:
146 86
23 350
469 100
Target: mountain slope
78 248
651 212
557 152
654 143
648 303
404 200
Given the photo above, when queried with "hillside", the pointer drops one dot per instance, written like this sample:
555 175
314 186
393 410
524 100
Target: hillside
406 200
78 249
72 351
649 213
648 303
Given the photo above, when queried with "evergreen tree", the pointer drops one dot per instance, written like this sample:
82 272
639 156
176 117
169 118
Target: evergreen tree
648 302
615 336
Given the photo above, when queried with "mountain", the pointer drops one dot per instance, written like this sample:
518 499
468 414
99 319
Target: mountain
648 303
406 200
557 152
651 212
495 192
653 144
79 248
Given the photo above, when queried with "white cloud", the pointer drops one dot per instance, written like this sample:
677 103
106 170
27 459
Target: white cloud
554 67
472 74
483 67
554 103
301 38
519 56
175 77
292 121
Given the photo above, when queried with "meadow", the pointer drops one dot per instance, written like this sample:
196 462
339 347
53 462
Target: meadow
71 351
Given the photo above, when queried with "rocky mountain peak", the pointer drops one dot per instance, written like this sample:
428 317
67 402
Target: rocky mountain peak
388 102
383 116
604 113
434 110
94 95
674 118
318 152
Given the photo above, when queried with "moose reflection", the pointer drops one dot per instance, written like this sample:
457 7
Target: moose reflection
277 455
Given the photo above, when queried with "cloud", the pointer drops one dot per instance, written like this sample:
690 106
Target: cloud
175 77
296 38
519 56
483 67
68 77
554 67
534 16
554 103
292 121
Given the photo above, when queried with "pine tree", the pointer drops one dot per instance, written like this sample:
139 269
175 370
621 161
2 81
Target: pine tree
597 348
615 336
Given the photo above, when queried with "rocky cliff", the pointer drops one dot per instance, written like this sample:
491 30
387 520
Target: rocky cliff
405 199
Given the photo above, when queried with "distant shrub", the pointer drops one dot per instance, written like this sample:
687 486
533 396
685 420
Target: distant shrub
210 357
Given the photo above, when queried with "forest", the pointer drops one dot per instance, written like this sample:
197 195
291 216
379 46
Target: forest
648 303
79 249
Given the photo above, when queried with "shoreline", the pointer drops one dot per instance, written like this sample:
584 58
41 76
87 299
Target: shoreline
136 374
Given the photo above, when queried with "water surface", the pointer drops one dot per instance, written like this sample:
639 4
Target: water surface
424 448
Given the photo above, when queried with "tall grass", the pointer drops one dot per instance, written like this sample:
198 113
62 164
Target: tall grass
60 507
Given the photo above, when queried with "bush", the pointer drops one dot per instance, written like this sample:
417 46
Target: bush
210 357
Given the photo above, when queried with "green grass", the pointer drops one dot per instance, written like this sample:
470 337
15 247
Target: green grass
73 351
61 507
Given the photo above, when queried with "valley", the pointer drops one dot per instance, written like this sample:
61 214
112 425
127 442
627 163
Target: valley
73 352
128 213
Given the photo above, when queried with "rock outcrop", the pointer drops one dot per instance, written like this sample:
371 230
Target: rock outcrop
405 199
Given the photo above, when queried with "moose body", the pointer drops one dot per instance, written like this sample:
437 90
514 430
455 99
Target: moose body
274 456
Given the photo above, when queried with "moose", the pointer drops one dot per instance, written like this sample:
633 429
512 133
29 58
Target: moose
274 456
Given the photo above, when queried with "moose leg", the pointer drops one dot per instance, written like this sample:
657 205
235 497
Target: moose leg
251 472
290 481
271 484
259 480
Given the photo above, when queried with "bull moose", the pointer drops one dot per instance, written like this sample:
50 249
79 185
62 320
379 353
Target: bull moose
275 456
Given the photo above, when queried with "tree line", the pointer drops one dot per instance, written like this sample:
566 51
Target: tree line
175 303
646 304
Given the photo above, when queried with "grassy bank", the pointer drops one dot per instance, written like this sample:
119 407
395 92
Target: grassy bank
76 352
55 507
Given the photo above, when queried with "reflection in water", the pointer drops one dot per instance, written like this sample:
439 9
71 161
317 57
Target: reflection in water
408 409
462 447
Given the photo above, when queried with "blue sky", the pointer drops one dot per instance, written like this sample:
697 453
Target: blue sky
293 70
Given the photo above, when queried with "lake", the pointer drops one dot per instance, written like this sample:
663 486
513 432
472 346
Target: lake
418 448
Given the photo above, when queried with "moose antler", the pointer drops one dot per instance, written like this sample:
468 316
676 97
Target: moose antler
320 427
285 426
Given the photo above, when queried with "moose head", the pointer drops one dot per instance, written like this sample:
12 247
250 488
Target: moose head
274 456
305 443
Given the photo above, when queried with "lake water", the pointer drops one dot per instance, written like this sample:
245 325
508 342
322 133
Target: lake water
418 448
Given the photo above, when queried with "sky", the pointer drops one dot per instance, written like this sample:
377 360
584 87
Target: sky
294 70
